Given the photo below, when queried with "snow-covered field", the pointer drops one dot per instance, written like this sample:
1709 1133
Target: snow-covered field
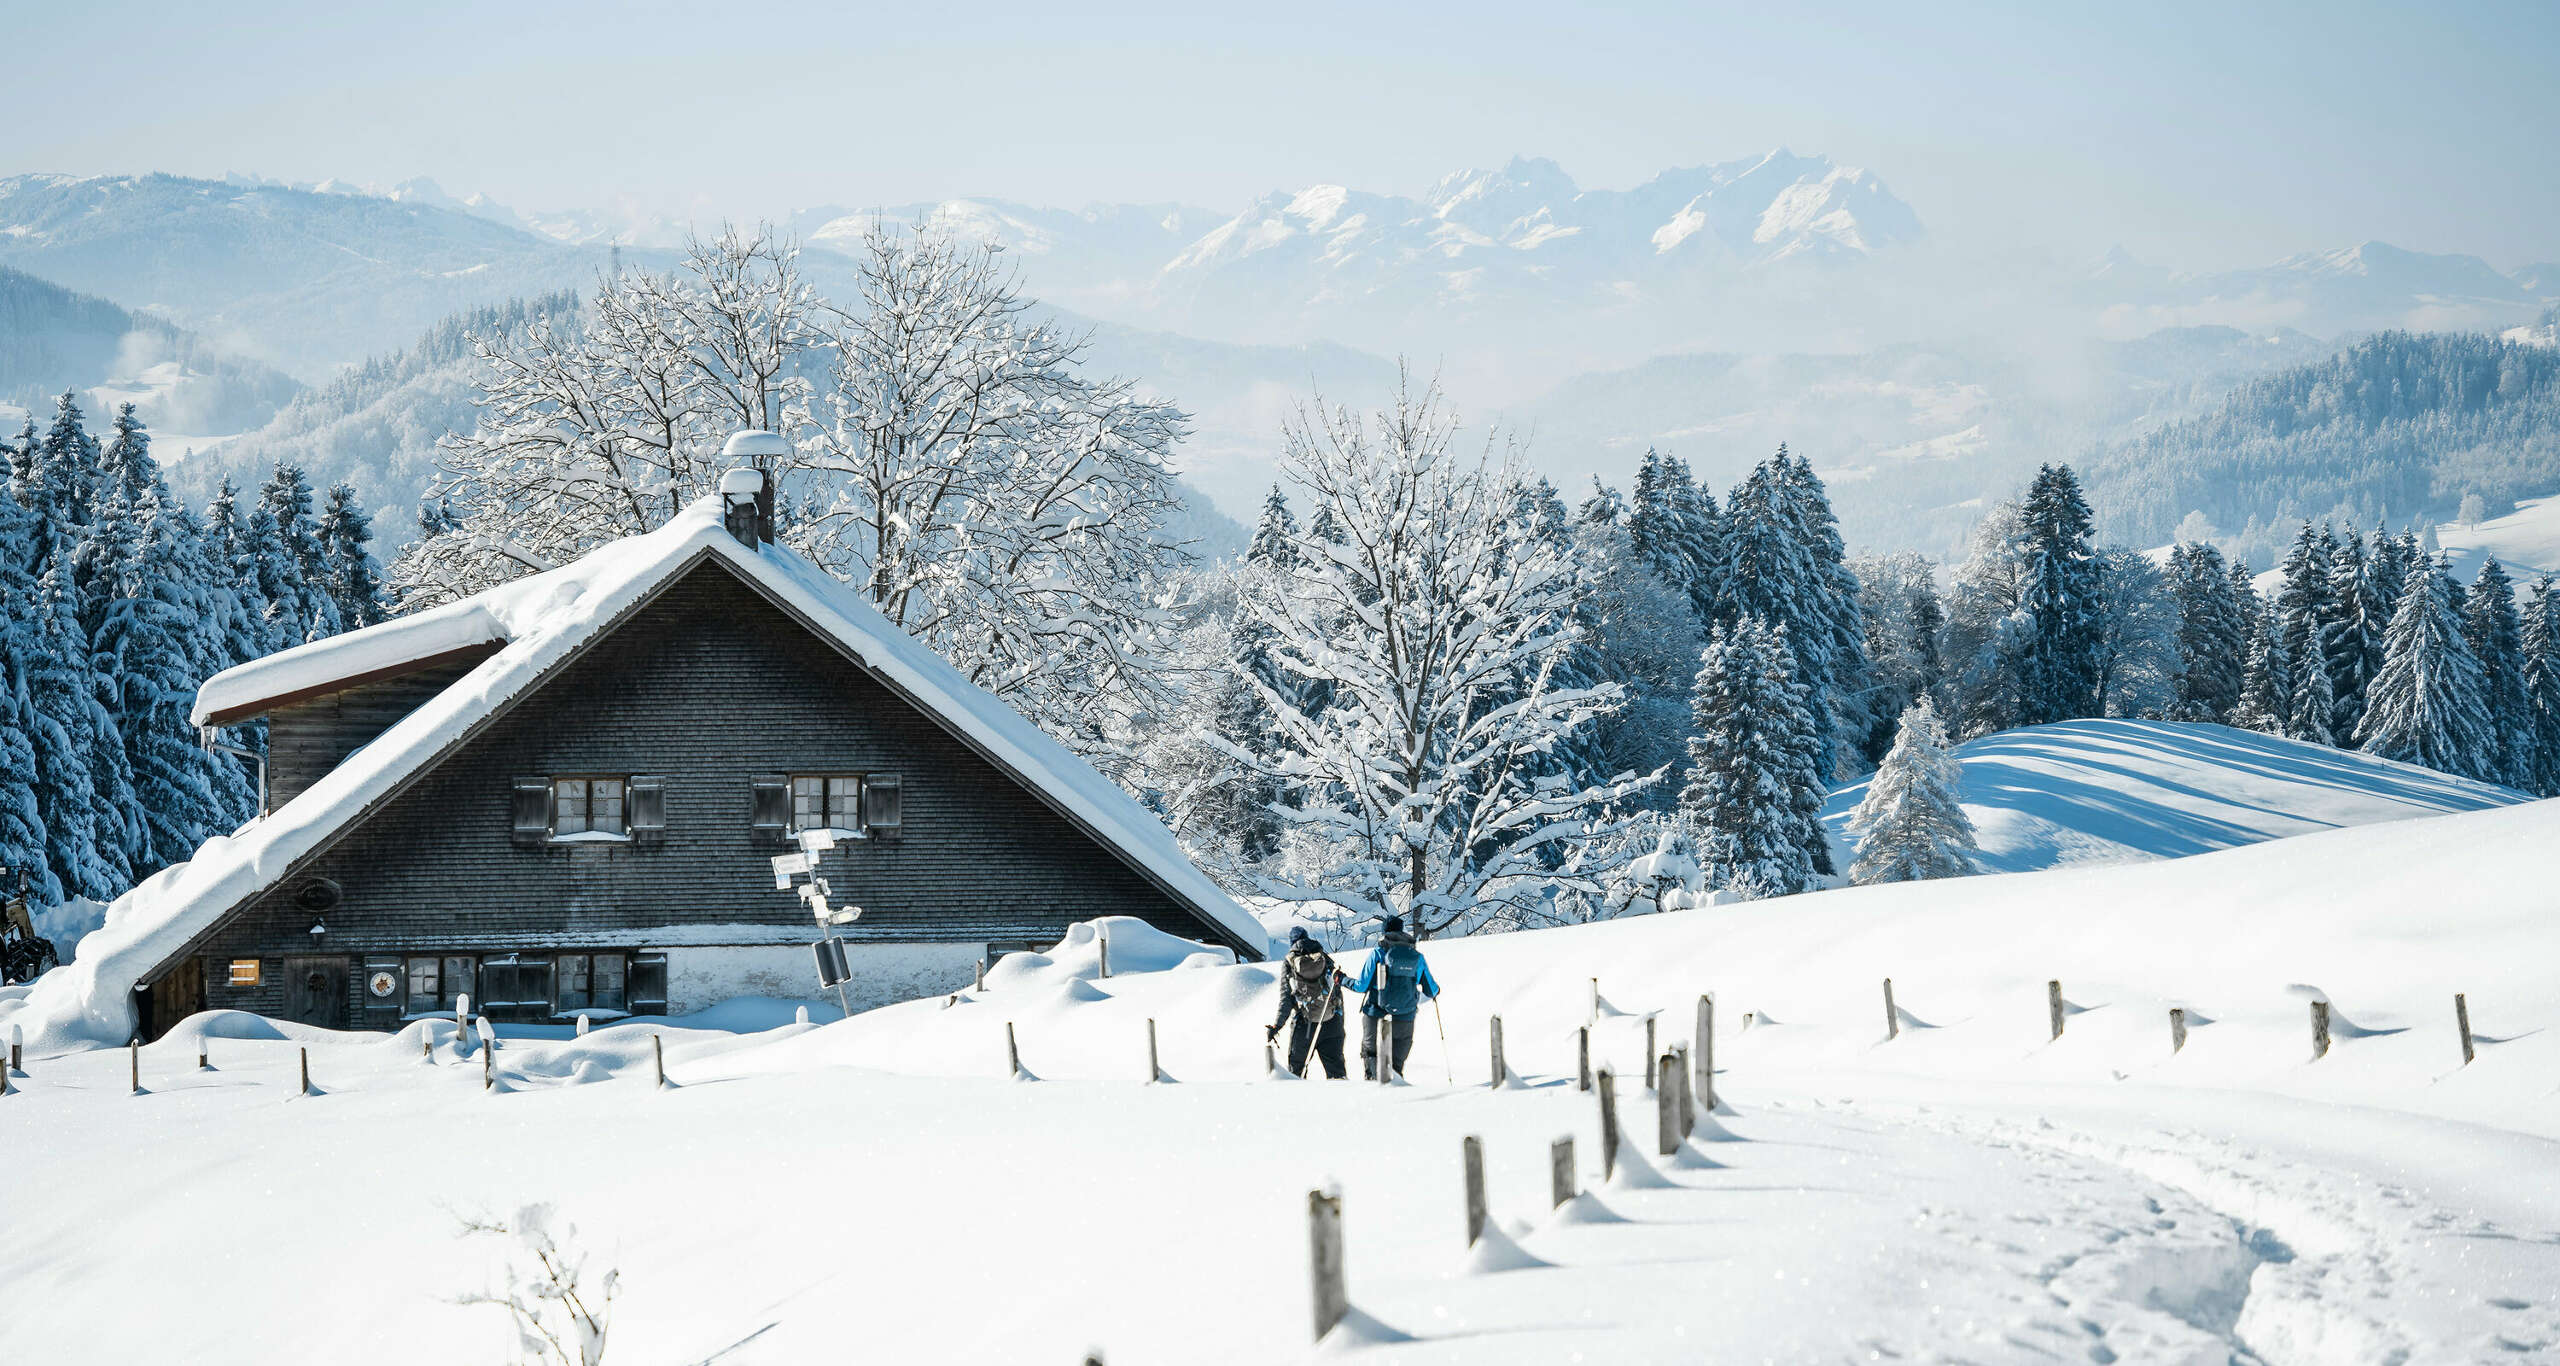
2085 792
2526 541
878 1189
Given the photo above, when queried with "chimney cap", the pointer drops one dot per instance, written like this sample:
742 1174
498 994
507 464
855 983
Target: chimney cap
755 444
741 483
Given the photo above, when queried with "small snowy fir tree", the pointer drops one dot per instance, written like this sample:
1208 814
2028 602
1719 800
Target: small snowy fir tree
2266 700
2213 635
2542 683
2495 634
1912 824
349 575
2425 707
2058 664
1754 795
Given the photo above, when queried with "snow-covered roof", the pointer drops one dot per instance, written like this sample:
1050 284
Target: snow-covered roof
341 661
544 619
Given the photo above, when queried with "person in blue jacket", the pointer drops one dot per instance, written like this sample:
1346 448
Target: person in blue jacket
1394 982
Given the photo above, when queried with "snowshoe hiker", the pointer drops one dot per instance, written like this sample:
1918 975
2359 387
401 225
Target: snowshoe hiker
1396 981
1311 990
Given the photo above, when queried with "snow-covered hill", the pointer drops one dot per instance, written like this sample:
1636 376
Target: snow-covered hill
1967 1188
2099 792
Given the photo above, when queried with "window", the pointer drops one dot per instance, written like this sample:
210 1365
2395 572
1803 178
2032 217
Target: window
435 984
517 986
588 982
826 802
587 806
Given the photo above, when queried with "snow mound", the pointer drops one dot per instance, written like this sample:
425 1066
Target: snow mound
1495 1252
2098 792
1136 946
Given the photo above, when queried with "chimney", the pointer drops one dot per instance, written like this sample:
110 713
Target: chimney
747 492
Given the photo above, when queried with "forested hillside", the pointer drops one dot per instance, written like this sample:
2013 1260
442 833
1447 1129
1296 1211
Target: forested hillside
375 426
2398 425
52 339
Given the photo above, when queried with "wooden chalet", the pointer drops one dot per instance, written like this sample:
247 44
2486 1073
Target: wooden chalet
564 795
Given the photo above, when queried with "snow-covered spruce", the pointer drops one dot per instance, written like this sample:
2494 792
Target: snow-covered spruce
1912 824
2426 707
1753 796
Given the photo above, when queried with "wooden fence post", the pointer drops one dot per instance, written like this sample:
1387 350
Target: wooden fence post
133 1050
1608 1125
2177 1029
658 1055
306 1071
204 1053
1582 1052
1471 1152
1666 1102
1892 1017
2053 1004
2319 1030
17 1046
1595 1000
1501 1070
1102 940
2462 1023
982 973
426 1044
1155 1072
1012 1052
1707 1050
1324 1246
488 1067
1560 1170
1688 1098
1651 1083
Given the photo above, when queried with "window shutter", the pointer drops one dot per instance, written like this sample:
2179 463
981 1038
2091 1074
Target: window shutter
648 808
881 807
533 810
773 808
648 984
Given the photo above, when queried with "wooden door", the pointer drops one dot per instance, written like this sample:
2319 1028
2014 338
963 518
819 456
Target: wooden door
315 991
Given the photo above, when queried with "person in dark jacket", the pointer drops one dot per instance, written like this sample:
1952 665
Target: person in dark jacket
1395 981
1311 990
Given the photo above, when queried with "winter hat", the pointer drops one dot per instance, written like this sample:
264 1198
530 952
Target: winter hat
1297 934
1393 924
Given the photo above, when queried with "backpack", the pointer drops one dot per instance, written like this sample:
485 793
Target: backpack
1310 974
1398 986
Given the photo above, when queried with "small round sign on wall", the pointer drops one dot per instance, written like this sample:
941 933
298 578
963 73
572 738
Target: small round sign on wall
384 983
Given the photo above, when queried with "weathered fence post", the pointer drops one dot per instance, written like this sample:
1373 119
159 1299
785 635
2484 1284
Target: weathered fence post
2319 1030
17 1046
1012 1052
1688 1098
1595 1000
584 1025
1582 1052
133 1050
1324 1246
2053 1004
1102 941
204 1053
1155 1072
306 1071
1707 1049
2462 1023
426 1044
1666 1106
658 1056
1892 1017
461 1022
1501 1069
1608 1125
1560 1170
1651 1083
488 1067
982 974
1472 1153
2177 1029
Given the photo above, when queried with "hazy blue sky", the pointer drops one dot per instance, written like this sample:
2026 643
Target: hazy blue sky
2200 135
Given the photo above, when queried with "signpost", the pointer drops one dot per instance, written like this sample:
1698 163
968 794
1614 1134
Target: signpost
833 970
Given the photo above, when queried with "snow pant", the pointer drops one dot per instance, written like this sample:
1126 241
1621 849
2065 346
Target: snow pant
1401 1027
1325 1039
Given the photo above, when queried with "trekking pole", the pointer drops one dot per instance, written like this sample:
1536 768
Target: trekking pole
1445 1069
